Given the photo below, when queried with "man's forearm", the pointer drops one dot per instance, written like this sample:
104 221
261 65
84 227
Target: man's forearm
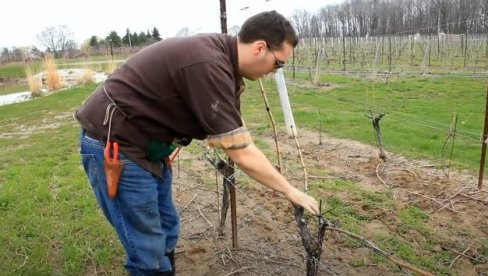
255 164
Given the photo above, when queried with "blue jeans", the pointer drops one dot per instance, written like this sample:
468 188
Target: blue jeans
143 213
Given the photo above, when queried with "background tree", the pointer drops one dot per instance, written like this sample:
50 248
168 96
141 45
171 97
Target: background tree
234 30
302 22
127 39
135 38
155 34
143 38
93 41
57 39
115 38
5 56
184 32
18 54
382 17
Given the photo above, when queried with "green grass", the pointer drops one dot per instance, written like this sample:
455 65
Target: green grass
418 112
353 207
50 223
4 90
12 70
407 252
413 218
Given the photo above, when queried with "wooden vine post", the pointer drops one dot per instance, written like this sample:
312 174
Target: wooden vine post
483 145
451 136
305 175
273 124
376 125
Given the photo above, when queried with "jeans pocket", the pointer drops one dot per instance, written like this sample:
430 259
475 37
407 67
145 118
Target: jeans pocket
91 168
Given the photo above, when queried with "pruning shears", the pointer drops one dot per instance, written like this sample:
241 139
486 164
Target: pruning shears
115 152
113 167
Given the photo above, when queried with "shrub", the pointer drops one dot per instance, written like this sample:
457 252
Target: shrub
53 80
34 83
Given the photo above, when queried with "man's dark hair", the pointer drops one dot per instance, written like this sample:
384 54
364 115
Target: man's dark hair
269 26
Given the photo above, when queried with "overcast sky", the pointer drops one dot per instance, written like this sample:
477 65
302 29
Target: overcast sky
22 21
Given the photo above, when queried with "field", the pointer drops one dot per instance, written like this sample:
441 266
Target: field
422 205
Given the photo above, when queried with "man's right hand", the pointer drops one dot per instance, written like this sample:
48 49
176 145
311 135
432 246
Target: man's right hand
298 197
255 164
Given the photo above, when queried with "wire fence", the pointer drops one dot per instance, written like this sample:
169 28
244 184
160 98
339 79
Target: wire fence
406 54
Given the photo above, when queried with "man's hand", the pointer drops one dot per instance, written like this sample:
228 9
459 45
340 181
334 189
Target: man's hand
253 162
298 197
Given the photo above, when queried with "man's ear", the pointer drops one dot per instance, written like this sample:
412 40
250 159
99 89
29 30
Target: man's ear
258 46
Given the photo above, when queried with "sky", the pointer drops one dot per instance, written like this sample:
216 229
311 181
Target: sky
22 21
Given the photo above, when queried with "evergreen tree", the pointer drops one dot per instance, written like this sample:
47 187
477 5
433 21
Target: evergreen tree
142 38
93 41
127 39
155 34
115 39
135 39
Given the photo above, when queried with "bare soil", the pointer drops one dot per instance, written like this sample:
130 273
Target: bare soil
268 238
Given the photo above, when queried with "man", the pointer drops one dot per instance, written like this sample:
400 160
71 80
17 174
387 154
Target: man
165 95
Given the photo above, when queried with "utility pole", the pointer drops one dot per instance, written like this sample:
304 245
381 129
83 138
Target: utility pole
111 49
229 170
223 17
128 36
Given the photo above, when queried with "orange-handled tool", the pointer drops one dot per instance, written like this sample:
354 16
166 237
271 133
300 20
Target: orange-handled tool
115 153
113 167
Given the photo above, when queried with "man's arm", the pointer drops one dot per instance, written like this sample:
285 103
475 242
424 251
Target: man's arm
255 164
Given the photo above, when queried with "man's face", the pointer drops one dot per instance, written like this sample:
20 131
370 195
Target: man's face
265 60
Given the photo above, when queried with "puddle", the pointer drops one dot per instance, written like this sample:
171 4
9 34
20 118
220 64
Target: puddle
70 76
15 98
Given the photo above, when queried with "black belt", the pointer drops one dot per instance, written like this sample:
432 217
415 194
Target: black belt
181 142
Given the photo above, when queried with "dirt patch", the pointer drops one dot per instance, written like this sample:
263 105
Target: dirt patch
49 121
269 241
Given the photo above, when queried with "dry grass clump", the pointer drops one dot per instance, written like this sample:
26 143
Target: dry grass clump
88 77
86 49
110 68
34 82
53 79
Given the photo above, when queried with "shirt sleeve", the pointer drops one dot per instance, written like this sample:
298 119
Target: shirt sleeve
208 88
236 139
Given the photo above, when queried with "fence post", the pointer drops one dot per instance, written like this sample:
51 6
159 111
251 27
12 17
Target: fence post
483 145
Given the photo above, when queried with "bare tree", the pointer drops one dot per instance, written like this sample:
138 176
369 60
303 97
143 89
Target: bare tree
302 22
234 30
382 17
185 31
5 55
57 39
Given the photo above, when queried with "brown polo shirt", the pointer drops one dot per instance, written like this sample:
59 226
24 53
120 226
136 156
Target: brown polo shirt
177 88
